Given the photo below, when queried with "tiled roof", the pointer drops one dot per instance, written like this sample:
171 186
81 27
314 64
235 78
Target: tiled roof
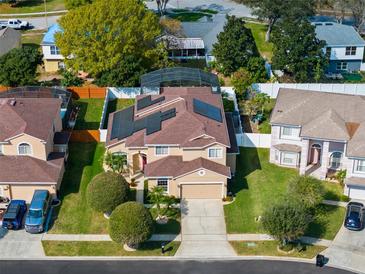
174 166
32 116
26 169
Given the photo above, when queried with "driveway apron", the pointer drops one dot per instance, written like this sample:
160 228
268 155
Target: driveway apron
203 230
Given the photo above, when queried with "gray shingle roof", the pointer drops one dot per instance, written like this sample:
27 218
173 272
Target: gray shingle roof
207 31
324 115
338 34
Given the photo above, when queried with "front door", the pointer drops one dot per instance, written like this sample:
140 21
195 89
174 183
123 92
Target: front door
315 154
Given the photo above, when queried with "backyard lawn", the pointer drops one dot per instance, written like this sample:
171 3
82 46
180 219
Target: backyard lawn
106 248
265 127
269 248
90 112
75 216
32 38
32 6
258 184
258 32
115 105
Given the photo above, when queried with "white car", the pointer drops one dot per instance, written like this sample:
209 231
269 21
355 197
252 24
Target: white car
15 24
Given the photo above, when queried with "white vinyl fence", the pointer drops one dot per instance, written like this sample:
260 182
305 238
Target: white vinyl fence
272 89
254 140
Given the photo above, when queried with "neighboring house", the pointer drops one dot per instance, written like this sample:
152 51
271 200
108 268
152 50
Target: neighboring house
52 58
197 39
178 140
9 39
320 133
32 146
344 46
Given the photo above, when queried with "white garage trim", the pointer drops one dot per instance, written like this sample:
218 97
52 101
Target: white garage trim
356 192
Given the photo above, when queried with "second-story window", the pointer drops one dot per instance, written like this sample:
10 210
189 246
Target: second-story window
24 149
360 166
289 132
215 152
55 50
350 51
162 150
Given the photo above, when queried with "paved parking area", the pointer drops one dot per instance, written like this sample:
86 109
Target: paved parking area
20 244
348 250
203 230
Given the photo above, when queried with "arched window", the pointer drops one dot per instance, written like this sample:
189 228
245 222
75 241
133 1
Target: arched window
335 160
24 149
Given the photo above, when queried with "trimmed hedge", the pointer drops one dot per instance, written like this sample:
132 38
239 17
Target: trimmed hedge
131 223
106 191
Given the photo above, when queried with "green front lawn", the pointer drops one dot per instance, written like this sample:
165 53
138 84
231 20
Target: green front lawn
327 221
30 6
258 32
107 248
115 105
258 184
334 192
90 113
74 215
172 226
269 248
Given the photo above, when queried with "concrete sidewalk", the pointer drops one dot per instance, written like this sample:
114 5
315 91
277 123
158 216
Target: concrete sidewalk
103 237
266 237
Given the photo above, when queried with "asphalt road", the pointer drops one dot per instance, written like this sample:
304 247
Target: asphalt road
165 267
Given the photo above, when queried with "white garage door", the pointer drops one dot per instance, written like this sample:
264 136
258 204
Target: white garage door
357 193
201 191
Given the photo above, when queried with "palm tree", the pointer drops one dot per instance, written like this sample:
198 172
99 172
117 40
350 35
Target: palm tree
116 162
157 197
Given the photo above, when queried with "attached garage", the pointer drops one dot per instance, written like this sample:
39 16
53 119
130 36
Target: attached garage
25 192
355 188
202 191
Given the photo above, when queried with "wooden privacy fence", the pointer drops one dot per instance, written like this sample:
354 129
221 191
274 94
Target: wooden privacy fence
87 92
85 136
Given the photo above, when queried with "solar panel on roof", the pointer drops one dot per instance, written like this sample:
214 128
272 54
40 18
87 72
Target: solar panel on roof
207 110
146 102
168 114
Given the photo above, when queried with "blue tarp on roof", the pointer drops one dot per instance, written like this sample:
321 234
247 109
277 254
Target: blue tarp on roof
49 36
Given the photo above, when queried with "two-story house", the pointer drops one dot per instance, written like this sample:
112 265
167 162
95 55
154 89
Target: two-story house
29 128
344 46
178 140
320 133
52 58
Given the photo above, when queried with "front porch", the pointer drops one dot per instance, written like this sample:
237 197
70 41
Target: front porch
321 159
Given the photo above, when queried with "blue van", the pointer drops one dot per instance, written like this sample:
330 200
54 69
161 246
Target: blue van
37 214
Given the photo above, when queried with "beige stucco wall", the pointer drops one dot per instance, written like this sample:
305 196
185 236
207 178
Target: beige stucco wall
193 178
51 65
173 151
38 147
191 154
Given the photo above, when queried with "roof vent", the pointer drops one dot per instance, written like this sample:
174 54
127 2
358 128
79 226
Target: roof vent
12 102
318 24
329 24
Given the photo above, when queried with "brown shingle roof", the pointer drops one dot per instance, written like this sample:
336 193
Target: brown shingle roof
19 169
324 115
174 166
32 116
186 126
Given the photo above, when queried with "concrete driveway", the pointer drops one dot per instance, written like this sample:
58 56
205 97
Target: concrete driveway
20 244
203 230
348 250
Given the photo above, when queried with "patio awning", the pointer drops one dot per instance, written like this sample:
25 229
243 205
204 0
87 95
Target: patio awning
288 147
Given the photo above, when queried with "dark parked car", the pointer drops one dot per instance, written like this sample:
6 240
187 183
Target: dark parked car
354 216
13 217
38 211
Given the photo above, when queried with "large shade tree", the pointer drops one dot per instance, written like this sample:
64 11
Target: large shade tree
18 67
297 51
235 46
99 37
273 10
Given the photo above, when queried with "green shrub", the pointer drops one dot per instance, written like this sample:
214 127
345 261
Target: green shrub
106 191
306 190
131 223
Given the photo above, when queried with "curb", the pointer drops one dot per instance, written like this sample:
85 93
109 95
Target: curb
33 13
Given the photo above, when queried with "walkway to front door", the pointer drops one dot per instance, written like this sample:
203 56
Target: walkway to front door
203 230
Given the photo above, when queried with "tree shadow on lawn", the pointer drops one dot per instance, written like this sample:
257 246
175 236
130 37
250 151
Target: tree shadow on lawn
247 162
318 227
80 121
